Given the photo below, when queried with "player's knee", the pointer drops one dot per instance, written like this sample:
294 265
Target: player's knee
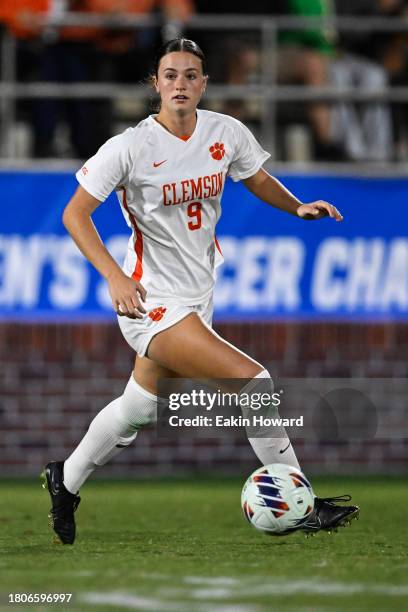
138 407
262 372
249 369
261 380
259 372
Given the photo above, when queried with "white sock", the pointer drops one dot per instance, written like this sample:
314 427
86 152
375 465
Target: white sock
112 430
276 449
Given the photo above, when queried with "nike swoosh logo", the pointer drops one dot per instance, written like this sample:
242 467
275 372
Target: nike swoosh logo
54 486
285 449
157 164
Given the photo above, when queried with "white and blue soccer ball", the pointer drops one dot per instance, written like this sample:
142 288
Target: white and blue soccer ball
277 499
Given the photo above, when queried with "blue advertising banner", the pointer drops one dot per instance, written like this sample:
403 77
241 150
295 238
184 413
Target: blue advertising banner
276 266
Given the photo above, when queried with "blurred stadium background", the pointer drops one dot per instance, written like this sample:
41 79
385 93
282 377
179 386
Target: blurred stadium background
323 85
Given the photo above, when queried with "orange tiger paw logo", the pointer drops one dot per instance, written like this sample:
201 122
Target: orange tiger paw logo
217 151
157 313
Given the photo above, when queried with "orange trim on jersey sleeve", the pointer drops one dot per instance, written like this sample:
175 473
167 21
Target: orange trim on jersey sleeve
217 244
138 271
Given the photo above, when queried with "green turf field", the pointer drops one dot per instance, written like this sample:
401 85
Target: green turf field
184 546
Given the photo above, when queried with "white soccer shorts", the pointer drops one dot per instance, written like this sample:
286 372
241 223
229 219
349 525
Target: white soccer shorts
159 316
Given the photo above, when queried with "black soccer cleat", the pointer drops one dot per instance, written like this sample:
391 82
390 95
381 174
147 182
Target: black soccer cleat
327 515
63 502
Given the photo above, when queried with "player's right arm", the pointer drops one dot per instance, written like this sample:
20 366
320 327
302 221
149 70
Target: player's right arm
125 292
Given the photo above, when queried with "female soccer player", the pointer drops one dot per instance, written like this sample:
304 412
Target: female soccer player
169 173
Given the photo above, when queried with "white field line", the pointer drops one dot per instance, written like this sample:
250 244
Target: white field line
294 587
252 585
135 602
205 591
217 588
126 600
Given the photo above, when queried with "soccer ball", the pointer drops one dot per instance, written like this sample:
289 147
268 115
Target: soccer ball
277 499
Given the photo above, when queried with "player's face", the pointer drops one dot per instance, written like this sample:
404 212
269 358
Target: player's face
180 82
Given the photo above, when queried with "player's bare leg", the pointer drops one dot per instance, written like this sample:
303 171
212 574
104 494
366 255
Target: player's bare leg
193 350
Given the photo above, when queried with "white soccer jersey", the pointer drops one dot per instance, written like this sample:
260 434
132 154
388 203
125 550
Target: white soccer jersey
170 190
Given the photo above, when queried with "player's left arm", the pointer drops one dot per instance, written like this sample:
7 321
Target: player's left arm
271 191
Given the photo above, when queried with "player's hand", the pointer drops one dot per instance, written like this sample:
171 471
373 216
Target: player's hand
127 296
318 210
